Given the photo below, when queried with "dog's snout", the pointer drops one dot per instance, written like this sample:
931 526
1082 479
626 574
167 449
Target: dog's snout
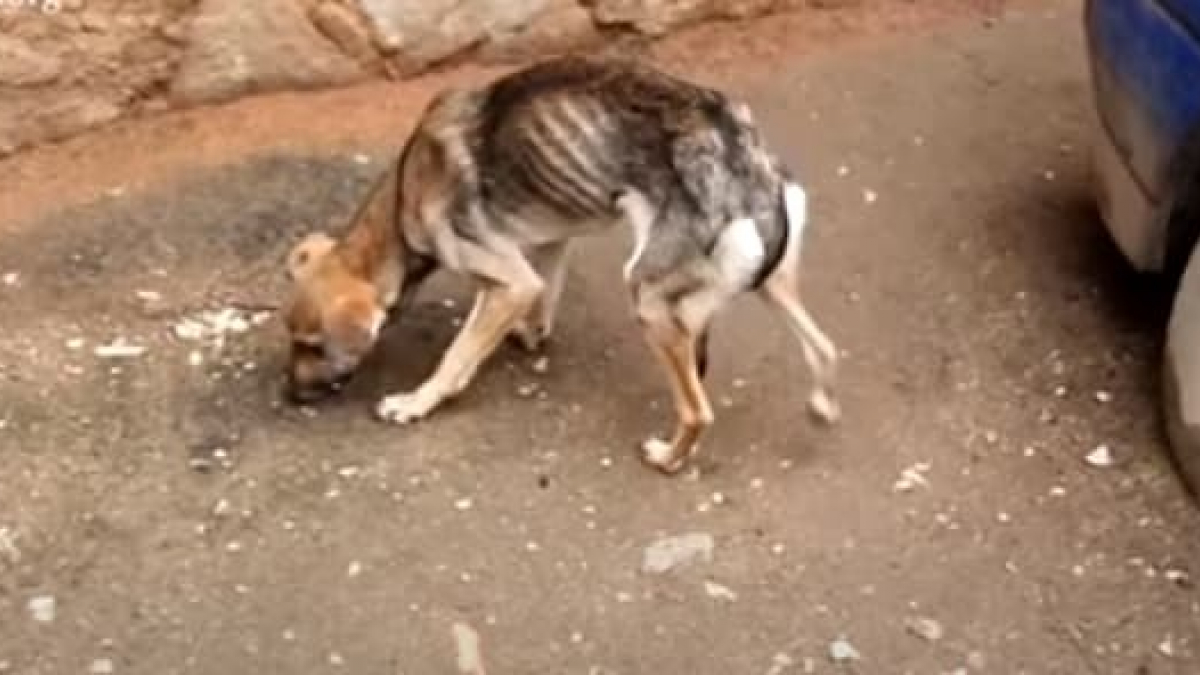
305 393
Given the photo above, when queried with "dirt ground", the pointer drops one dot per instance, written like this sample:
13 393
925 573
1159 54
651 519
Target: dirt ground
162 512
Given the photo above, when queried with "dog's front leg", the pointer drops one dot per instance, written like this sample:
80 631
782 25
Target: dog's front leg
498 307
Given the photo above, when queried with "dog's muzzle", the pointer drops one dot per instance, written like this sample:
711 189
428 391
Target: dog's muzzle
307 393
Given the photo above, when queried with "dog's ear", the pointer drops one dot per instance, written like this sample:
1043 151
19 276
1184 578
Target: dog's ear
304 255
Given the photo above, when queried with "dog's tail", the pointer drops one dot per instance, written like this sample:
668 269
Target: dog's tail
783 253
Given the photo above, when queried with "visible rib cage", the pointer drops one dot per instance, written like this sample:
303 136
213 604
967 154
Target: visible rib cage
553 146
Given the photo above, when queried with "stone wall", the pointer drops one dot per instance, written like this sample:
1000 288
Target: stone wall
70 65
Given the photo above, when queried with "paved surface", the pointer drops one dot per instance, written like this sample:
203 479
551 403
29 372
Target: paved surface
994 340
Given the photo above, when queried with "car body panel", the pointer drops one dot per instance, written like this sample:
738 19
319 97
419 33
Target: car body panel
1145 61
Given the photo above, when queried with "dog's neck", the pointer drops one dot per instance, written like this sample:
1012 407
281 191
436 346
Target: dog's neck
373 249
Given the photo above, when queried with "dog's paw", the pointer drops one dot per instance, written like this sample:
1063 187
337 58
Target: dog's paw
824 407
529 336
401 408
661 455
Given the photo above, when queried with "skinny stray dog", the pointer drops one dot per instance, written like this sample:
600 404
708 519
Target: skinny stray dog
493 184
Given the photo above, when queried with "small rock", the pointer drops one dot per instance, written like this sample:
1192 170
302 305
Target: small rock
466 644
11 278
870 196
669 553
541 366
1167 647
1178 577
200 464
335 659
1103 397
361 159
101 667
354 569
841 651
119 349
719 592
463 504
925 628
1101 457
43 608
911 478
527 390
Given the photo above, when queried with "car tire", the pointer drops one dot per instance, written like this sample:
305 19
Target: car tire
1181 376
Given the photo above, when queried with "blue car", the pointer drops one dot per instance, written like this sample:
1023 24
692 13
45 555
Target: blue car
1145 66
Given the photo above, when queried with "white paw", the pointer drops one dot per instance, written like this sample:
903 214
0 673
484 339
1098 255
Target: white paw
661 455
824 407
401 408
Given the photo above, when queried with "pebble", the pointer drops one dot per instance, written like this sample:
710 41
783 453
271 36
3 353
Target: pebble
1103 397
841 651
463 504
11 278
527 390
354 569
1101 457
669 553
925 628
870 196
119 349
335 659
101 667
719 592
466 645
911 478
541 366
43 608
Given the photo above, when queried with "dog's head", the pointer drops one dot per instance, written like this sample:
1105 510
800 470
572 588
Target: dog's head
333 319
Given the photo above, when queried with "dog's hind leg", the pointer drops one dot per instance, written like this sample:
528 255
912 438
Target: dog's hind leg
676 340
550 261
819 351
781 289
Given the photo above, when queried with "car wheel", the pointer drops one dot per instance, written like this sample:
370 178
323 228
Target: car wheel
1181 375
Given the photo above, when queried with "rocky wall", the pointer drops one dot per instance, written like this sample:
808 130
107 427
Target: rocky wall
71 65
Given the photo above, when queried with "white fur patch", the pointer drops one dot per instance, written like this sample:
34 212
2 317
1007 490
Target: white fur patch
740 251
377 321
795 205
640 215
